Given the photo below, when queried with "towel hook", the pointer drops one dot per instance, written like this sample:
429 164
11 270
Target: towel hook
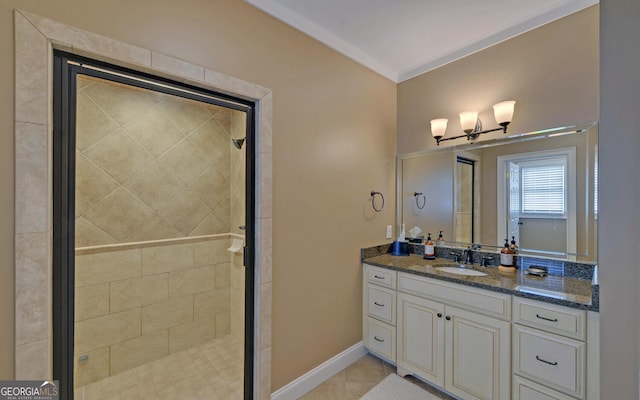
373 200
424 199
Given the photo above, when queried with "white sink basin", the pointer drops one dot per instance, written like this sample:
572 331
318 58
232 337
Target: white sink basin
461 271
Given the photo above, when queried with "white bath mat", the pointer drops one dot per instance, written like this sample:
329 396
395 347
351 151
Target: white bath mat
394 387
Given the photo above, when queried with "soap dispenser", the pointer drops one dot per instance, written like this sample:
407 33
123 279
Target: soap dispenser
440 240
506 259
429 250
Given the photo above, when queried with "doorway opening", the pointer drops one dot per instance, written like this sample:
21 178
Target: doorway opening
154 240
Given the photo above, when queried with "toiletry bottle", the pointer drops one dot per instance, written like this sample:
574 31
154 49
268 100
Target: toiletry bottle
513 246
506 258
429 251
440 240
514 250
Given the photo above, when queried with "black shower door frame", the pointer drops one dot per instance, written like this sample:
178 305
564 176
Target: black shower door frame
66 68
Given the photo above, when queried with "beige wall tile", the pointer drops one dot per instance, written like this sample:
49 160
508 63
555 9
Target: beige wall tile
32 178
87 234
185 212
265 182
212 139
31 55
185 161
137 292
212 187
155 131
156 228
92 184
96 367
155 186
103 331
264 374
211 225
119 214
264 243
223 275
109 266
176 66
266 290
208 304
159 259
92 123
192 334
33 361
138 351
223 323
234 85
191 281
211 252
166 314
266 130
33 305
91 301
187 115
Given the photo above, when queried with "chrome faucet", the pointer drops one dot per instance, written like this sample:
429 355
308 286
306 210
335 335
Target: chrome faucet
467 254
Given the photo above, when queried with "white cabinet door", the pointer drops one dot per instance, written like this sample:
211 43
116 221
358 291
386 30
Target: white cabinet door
420 337
477 355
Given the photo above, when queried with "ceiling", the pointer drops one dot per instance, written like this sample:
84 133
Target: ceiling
401 39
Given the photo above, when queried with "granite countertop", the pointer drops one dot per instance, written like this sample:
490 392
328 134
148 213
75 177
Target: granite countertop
561 290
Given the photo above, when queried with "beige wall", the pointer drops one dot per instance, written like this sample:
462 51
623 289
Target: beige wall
552 73
334 141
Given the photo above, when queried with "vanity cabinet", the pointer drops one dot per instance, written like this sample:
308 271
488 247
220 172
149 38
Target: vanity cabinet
477 343
552 353
379 305
446 336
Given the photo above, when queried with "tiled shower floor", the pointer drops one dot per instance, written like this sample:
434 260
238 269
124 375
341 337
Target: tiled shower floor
213 370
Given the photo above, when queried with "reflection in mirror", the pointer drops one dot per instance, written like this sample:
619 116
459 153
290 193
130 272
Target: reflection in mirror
539 188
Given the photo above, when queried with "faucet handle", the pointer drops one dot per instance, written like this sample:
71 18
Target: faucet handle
483 261
456 256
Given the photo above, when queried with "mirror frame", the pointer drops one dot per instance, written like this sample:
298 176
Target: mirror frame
519 137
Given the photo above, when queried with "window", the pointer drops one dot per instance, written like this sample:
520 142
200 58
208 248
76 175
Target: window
543 187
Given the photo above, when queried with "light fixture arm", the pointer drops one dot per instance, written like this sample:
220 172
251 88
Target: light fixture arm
472 135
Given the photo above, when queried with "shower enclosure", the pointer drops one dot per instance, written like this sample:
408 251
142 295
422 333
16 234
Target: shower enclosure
150 195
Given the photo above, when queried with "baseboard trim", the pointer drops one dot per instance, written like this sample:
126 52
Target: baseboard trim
307 382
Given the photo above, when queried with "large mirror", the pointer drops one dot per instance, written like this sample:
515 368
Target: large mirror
538 188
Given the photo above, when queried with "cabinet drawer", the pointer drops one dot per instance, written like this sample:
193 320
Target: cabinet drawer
381 303
551 360
483 301
380 338
527 390
381 276
549 317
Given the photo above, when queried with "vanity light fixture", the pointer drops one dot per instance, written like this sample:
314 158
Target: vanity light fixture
471 124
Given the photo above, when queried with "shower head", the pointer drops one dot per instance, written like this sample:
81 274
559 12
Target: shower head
238 142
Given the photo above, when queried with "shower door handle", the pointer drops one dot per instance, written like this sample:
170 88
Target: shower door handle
242 227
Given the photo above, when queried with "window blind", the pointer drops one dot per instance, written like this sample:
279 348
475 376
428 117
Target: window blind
543 188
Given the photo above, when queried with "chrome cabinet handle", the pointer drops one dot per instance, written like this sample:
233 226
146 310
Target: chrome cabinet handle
546 362
378 304
547 319
379 340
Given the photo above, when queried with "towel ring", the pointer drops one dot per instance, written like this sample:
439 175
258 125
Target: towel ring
373 200
424 200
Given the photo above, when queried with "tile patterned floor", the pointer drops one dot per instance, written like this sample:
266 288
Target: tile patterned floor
213 370
357 379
